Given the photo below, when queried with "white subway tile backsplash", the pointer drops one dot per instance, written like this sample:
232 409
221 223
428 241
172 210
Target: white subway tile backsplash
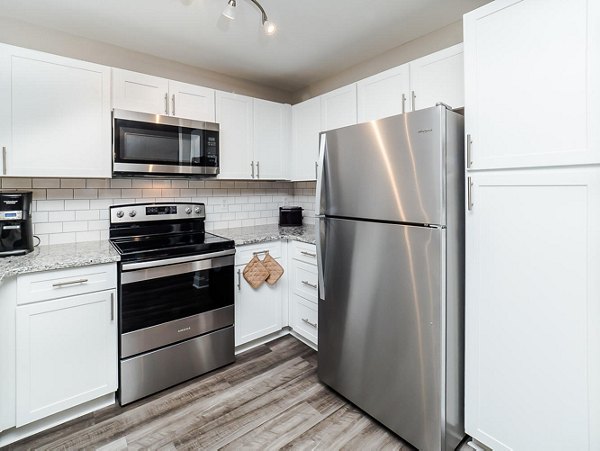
72 210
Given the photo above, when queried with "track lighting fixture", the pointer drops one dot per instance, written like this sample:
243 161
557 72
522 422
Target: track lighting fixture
269 27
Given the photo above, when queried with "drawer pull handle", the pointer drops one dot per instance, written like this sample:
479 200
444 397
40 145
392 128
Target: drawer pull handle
309 323
313 285
71 282
310 254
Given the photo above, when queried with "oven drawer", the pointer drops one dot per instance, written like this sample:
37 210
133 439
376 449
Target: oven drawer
148 373
245 253
46 285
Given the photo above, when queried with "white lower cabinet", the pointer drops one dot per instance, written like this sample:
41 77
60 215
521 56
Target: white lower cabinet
532 374
258 312
292 301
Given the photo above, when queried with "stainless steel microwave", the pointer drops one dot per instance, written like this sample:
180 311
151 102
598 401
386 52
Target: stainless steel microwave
151 144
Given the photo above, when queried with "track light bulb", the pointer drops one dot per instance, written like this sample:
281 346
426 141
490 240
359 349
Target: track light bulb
229 11
270 27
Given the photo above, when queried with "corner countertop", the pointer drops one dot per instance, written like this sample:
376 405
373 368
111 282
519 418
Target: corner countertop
268 232
59 256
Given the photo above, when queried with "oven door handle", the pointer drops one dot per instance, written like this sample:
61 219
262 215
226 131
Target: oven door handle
171 261
162 271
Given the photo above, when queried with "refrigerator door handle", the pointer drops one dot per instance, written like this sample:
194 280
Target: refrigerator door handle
320 242
320 200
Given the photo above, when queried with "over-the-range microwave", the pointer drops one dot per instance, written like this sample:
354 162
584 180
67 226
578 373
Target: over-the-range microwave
154 145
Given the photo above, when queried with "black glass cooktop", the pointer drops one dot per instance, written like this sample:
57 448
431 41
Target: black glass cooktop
155 247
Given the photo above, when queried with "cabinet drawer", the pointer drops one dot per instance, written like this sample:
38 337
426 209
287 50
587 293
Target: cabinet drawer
305 318
304 252
46 285
245 253
305 280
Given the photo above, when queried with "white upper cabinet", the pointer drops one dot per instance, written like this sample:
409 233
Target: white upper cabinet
438 77
338 108
192 101
306 125
384 94
271 139
155 95
532 369
235 117
531 83
140 92
55 116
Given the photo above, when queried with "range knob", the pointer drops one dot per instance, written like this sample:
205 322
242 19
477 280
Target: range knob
132 213
197 210
120 214
188 210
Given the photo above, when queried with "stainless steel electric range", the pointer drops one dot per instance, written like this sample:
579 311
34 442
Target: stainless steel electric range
176 295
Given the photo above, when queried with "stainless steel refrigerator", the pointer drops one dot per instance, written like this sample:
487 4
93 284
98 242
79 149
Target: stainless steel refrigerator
390 244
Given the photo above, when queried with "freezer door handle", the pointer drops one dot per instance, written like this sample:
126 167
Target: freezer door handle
320 200
320 242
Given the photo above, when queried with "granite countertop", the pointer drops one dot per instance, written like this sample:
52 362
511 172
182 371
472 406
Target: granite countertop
268 232
59 256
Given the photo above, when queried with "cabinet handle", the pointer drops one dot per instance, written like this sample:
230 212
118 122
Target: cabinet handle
71 282
309 323
258 169
312 285
239 284
112 306
469 160
260 252
316 170
403 103
167 103
252 166
469 194
413 97
4 161
173 103
310 254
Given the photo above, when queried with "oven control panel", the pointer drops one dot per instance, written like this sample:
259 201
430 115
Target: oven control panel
156 212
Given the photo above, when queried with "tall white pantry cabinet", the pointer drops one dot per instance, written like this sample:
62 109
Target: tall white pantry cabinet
532 102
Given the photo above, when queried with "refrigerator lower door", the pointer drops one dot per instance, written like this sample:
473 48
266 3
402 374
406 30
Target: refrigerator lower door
381 324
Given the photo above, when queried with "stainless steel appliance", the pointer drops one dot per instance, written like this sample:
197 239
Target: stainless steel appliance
150 144
176 294
390 240
16 229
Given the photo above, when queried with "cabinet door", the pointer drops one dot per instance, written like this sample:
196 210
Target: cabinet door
338 108
56 122
384 94
531 83
306 125
271 139
257 312
438 77
532 376
234 115
66 353
140 92
8 294
192 102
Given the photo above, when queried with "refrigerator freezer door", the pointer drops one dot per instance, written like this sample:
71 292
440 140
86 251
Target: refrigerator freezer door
380 324
391 169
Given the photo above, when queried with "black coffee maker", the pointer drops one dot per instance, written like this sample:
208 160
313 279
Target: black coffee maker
16 229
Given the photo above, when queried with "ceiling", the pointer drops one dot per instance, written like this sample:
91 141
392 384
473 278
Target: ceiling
315 38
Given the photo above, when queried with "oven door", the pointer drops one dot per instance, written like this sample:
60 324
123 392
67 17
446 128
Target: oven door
153 144
167 301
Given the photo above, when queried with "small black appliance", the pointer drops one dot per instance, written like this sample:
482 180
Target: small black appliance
16 229
290 216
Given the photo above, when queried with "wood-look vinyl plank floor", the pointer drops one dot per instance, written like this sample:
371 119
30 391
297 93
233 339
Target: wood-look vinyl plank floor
270 398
